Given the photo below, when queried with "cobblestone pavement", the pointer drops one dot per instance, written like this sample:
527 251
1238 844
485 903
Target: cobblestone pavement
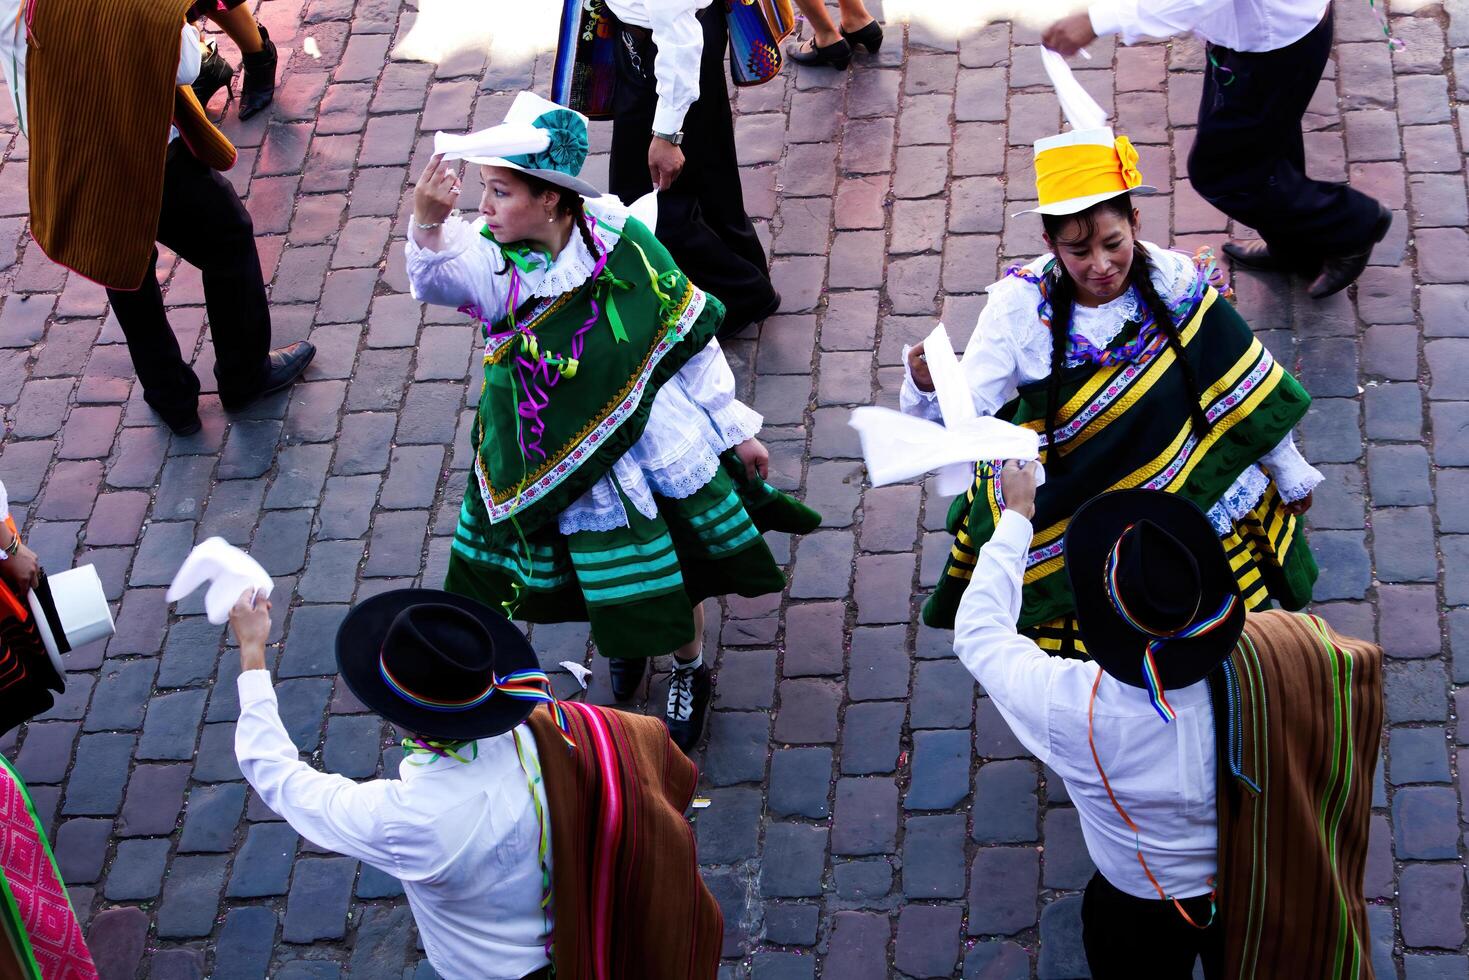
870 814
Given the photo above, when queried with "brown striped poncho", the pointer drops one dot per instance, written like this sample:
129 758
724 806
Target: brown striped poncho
626 893
1295 791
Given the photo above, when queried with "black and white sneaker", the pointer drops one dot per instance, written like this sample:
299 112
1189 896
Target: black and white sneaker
689 692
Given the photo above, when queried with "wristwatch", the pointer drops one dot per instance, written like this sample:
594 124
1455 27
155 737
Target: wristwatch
675 138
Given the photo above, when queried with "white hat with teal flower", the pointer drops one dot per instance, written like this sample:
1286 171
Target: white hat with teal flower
538 137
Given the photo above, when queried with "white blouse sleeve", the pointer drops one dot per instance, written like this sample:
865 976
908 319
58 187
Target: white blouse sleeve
1293 476
4 502
467 269
710 384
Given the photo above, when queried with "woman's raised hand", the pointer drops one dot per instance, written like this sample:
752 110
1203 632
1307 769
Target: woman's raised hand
918 368
437 193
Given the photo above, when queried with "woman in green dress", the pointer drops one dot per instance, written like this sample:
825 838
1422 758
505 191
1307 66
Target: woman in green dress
616 480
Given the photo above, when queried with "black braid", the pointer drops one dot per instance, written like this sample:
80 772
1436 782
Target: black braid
579 219
1062 296
1141 275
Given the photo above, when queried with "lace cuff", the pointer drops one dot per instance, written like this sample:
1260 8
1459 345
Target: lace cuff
913 400
1293 476
735 422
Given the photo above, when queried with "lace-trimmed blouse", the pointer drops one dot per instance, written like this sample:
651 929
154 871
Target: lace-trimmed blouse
1011 347
695 416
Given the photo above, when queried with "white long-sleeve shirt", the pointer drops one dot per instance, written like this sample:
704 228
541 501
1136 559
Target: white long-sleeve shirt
1011 346
462 837
1163 774
1241 25
680 40
13 59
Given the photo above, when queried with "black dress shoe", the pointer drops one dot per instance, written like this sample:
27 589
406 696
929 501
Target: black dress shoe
184 425
283 367
214 74
870 37
808 52
1255 255
689 691
1340 271
627 673
730 328
258 89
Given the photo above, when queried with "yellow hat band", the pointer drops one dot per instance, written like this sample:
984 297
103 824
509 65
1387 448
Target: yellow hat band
1065 173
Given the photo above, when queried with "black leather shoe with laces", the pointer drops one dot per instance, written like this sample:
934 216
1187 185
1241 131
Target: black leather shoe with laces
689 693
627 674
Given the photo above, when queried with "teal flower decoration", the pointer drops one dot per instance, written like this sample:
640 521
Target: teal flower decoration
567 151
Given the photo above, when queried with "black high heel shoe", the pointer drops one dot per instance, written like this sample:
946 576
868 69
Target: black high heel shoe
258 89
837 55
870 37
214 74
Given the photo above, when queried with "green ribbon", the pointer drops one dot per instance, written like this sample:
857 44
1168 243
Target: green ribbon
602 291
523 255
437 750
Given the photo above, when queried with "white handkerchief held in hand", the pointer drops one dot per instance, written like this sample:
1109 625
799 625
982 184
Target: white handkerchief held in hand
504 140
1080 109
898 447
229 569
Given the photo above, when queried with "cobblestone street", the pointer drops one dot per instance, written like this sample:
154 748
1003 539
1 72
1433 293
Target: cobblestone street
870 815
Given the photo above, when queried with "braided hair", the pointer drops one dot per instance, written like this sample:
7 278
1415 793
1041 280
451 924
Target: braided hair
1061 292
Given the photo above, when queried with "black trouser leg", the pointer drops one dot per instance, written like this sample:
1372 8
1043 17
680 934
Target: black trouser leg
1248 158
1127 937
169 384
701 218
205 222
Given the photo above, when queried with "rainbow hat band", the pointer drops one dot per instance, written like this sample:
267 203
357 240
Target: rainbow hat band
1075 170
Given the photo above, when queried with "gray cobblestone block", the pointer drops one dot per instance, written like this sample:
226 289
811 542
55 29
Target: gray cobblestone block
928 940
310 649
1409 617
331 571
1061 952
397 544
245 945
346 507
98 775
314 411
800 781
46 753
1377 881
940 775
1380 926
834 489
866 818
1425 822
317 906
782 966
280 543
1451 433
1007 910
1395 412
808 711
1340 501
943 695
889 518
137 870
302 703
797 872
1330 432
814 639
1345 566
28 461
430 414
1445 310
71 705
353 745
213 813
933 856
1414 691
1005 808
996 960
413 477
1067 863
190 654
728 829
191 896
734 891
72 492
216 761
155 795
1433 265
738 744
263 865
1448 358
858 948
176 964
372 884
250 449
1426 966
233 510
877 669
1438 200
1452 491
746 677
883 588
162 551
1403 544
54 542
140 623
117 939
992 737
81 847
1431 905
300 475
1418 755
870 736
791 924
172 724
362 446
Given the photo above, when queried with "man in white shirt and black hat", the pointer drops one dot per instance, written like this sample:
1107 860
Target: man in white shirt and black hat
1248 159
673 131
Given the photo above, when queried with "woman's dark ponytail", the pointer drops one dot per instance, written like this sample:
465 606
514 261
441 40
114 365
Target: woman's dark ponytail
1141 275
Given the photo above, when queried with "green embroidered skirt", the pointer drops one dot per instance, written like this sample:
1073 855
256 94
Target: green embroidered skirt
637 585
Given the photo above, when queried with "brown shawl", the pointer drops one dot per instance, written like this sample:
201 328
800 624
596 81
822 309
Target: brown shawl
99 115
626 893
1295 791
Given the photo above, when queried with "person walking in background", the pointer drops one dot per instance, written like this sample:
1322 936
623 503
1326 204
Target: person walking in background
103 194
673 131
531 841
257 51
1249 155
1194 728
832 47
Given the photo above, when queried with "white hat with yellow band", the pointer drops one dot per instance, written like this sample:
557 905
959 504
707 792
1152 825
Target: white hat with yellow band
1075 170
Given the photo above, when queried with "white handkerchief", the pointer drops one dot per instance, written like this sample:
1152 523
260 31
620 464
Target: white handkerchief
1080 109
229 569
506 139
